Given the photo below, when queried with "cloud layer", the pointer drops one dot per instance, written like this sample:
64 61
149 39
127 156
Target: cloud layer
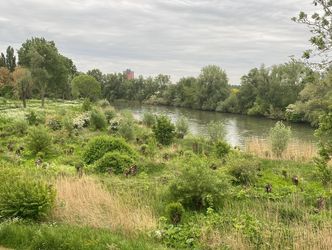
175 37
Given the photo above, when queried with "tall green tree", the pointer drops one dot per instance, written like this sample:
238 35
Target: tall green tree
86 86
48 67
213 87
2 61
8 60
313 101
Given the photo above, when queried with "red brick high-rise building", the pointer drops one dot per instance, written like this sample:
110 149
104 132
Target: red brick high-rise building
129 74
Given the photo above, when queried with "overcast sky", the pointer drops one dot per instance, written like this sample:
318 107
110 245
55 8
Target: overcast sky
174 37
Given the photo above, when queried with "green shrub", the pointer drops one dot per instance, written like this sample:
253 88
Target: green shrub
182 127
183 236
26 198
99 146
221 149
279 137
20 127
126 129
39 140
244 171
324 134
35 119
164 130
216 131
174 212
198 187
98 120
114 162
149 119
109 114
86 105
324 171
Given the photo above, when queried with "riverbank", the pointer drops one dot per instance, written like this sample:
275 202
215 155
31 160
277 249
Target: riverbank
238 128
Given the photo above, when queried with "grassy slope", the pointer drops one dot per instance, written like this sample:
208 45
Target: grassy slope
250 217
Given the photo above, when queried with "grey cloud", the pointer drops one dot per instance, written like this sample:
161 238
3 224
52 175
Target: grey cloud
175 37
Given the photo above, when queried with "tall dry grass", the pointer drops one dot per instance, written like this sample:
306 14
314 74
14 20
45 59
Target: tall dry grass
296 150
85 201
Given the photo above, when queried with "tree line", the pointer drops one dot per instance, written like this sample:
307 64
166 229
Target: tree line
290 91
294 91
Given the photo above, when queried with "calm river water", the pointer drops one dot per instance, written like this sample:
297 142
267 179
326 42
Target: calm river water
238 127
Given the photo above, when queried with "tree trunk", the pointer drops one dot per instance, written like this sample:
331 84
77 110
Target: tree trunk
24 101
42 96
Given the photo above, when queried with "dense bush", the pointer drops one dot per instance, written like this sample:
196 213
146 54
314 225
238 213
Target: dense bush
39 140
279 137
198 187
98 120
25 198
174 212
149 119
164 130
221 149
244 171
182 127
114 162
99 146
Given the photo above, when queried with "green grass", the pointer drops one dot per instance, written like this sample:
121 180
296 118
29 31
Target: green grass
249 217
66 237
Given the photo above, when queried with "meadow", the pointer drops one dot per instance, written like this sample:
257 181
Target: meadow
82 175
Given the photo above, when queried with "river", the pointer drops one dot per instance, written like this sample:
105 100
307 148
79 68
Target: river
238 128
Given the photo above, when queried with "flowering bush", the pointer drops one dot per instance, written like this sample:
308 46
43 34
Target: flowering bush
82 121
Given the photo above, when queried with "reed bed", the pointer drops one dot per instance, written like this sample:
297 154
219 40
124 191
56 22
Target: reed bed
296 150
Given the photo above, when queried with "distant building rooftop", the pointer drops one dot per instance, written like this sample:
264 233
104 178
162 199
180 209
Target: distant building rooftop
129 74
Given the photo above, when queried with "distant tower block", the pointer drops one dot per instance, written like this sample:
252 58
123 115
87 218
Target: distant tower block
129 74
